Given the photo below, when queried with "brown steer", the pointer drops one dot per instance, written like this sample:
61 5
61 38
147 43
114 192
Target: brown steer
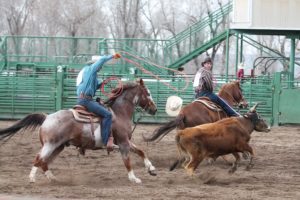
230 135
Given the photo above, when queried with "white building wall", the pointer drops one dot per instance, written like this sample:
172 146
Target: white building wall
266 14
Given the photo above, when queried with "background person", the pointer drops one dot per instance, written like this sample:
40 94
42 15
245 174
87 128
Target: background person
240 72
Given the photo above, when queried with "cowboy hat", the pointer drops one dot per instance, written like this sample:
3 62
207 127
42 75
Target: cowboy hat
173 105
206 60
93 60
241 65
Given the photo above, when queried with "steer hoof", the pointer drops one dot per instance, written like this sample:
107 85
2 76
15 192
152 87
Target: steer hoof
250 166
210 161
232 170
246 155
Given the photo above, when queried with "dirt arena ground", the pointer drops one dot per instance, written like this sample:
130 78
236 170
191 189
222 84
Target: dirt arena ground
276 173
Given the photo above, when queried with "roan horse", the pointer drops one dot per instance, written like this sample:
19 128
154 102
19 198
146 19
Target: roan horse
60 129
196 113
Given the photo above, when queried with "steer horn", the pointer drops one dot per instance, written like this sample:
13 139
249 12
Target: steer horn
253 109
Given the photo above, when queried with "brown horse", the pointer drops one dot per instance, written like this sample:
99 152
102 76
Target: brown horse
230 135
60 129
196 113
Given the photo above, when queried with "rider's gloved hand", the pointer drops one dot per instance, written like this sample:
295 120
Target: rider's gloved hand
117 55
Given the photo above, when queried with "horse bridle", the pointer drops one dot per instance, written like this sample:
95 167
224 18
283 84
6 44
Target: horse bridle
142 110
145 108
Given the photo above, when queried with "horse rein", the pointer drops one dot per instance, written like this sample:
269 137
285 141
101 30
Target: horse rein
138 120
142 110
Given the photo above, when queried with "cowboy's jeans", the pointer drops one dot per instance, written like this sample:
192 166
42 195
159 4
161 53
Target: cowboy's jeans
218 100
101 111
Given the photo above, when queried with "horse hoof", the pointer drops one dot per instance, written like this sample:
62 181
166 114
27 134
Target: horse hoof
136 180
31 180
50 176
152 173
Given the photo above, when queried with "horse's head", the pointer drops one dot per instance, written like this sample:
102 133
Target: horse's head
145 100
259 123
137 94
237 94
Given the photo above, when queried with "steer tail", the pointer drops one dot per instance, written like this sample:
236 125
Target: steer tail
180 149
31 121
162 131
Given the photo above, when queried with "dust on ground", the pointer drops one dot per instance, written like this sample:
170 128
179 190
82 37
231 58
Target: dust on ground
275 175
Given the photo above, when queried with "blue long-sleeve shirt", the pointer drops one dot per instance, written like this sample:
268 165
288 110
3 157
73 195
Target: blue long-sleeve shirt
87 82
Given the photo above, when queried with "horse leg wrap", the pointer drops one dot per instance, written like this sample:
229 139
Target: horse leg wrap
32 174
133 178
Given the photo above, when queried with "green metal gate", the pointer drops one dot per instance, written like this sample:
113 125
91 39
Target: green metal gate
286 99
260 90
21 94
42 79
51 89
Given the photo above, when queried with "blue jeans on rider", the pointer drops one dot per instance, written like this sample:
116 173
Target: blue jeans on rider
95 107
219 101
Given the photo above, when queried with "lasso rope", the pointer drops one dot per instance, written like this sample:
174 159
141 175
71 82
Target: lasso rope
120 86
117 91
152 74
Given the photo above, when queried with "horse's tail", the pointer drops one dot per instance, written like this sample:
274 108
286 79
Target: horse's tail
162 131
31 121
180 149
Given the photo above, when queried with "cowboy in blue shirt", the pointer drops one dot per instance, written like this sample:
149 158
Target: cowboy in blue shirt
87 85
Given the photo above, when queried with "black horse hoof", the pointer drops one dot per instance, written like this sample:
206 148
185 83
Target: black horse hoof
152 173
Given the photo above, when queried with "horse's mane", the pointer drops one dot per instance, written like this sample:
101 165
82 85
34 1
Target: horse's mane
116 92
234 88
230 85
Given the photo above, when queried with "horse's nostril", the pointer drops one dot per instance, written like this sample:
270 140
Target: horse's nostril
154 111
